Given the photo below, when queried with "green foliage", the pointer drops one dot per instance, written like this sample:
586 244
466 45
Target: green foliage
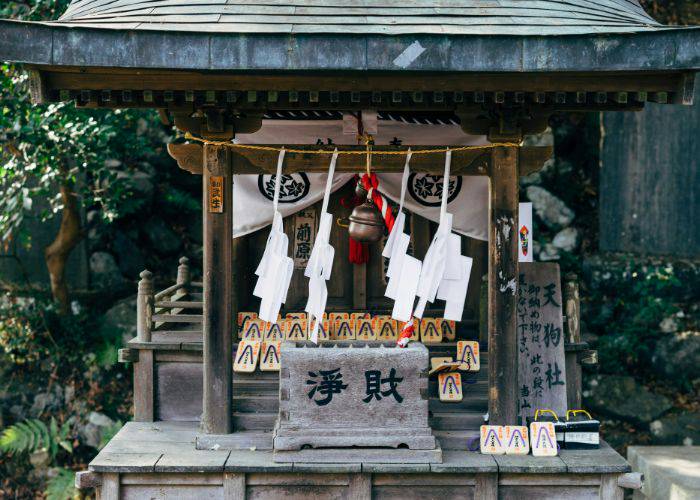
625 308
21 329
33 434
62 485
177 201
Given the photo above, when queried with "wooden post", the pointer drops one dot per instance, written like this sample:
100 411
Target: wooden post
218 309
144 307
183 273
503 287
572 310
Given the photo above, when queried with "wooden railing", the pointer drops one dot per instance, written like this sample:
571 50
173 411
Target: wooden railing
156 309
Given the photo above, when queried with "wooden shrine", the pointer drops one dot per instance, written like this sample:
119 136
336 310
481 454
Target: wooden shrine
219 70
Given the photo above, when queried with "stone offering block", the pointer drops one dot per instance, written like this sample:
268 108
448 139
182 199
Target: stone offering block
359 396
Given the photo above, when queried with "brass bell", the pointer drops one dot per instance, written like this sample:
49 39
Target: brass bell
366 223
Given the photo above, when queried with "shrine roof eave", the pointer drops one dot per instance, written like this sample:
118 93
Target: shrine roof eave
50 45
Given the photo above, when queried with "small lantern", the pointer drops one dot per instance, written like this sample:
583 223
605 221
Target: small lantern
366 223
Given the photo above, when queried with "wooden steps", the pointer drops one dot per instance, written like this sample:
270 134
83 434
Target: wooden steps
177 318
179 304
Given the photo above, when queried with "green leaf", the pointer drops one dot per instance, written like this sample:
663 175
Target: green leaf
61 486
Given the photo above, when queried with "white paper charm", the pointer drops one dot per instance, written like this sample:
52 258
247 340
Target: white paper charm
320 265
275 268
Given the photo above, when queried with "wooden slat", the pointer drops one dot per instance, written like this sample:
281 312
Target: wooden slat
183 304
177 318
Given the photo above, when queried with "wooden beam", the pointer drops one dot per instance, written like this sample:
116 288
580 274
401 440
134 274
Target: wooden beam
218 308
248 161
79 78
144 387
188 157
503 285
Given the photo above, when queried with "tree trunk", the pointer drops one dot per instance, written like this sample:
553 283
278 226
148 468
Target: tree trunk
56 254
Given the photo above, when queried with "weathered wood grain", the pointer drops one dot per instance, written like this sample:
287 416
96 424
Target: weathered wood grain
530 464
540 339
454 461
648 180
602 461
144 388
503 279
124 462
218 298
572 310
192 461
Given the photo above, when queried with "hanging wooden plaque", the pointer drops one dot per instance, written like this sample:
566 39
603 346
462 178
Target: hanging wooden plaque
541 365
273 332
385 328
468 355
364 328
245 316
253 329
492 437
270 356
216 194
430 331
449 329
543 439
294 329
517 442
450 387
246 356
344 329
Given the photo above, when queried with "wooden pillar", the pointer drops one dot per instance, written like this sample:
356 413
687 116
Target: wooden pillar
503 287
572 310
218 307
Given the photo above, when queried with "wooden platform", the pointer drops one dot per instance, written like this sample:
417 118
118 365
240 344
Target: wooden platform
159 460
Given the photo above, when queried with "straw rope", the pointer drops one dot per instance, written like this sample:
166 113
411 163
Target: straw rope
347 152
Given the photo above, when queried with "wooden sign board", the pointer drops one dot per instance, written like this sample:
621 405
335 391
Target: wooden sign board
253 329
430 331
273 332
294 329
246 356
468 355
343 329
245 316
216 194
491 440
449 329
543 439
450 387
386 328
364 330
270 356
304 233
541 366
517 442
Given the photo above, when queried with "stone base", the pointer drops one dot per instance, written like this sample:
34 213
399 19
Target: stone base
290 439
246 440
359 455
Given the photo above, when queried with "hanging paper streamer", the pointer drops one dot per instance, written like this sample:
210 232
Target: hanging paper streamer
445 271
275 269
525 253
318 270
397 244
